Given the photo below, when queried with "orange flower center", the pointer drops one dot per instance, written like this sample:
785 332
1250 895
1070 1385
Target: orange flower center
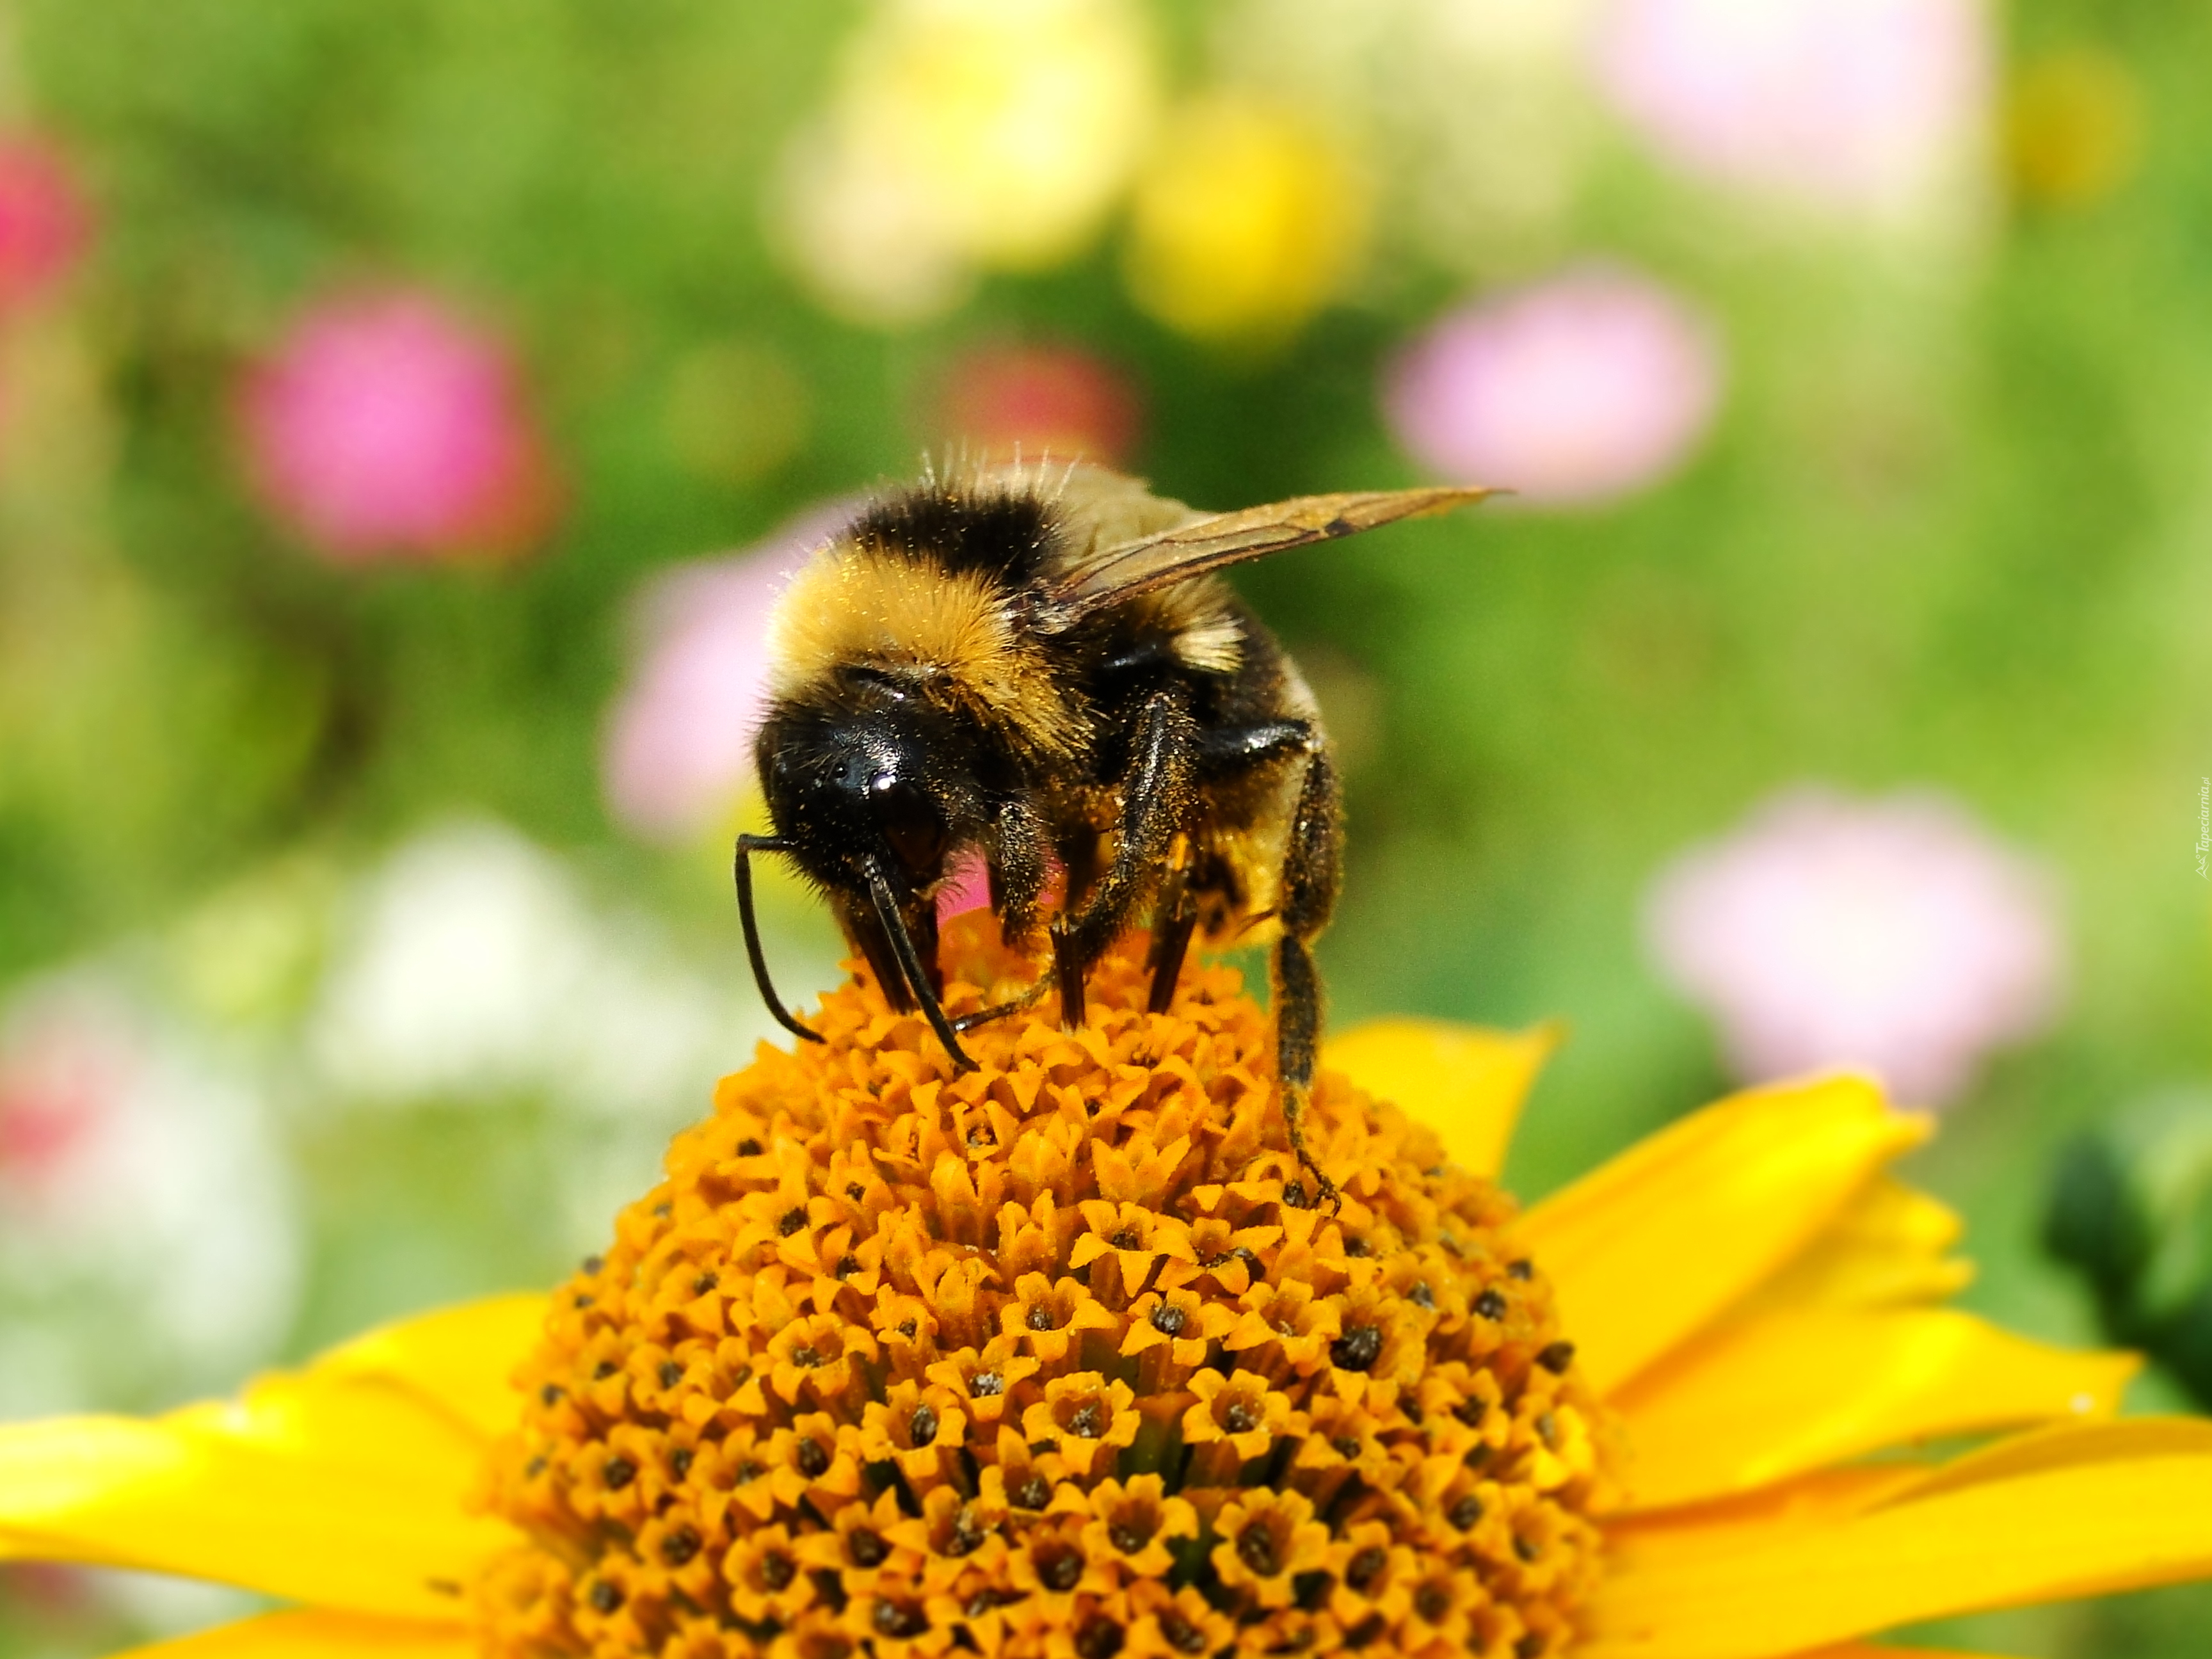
1057 1357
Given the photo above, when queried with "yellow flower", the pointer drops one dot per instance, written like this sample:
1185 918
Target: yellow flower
1246 223
840 1386
2074 129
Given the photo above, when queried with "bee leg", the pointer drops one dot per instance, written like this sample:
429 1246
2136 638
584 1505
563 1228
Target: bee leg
1176 915
921 981
1312 866
864 930
1028 998
1156 802
743 865
1067 975
1228 751
1019 868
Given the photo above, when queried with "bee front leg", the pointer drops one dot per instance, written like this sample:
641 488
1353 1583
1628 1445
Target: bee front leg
1156 796
1018 867
1312 866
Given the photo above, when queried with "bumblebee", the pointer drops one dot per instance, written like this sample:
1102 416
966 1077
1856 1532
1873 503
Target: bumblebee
1045 671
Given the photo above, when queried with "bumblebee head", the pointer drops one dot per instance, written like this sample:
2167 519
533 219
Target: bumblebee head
874 775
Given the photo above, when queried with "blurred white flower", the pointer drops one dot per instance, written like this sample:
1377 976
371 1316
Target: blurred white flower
1472 117
1579 389
1873 106
475 966
871 248
679 749
141 1189
1895 936
964 134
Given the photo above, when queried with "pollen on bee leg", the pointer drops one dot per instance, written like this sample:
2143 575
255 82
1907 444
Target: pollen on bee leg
1066 1354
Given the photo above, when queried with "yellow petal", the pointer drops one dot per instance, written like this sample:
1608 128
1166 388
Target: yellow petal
1726 1525
1763 1398
2042 1533
342 1492
1889 1246
1465 1083
317 1633
2066 1445
460 1358
1648 1250
1861 1650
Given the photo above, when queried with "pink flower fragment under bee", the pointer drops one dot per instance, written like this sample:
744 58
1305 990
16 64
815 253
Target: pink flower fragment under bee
1575 391
45 223
1859 104
678 748
389 425
1895 936
967 886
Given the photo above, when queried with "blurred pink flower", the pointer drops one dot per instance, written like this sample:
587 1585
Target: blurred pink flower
45 223
1861 103
387 425
1896 936
679 739
1044 400
56 1084
1580 389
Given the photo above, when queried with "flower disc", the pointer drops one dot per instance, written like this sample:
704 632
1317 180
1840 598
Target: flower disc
1057 1357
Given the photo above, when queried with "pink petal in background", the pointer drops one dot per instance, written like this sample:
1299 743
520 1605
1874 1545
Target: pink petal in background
45 223
1581 389
387 425
1895 935
678 747
1856 103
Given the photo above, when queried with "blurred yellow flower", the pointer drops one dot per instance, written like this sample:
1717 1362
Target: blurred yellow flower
1247 220
966 134
2074 129
894 1355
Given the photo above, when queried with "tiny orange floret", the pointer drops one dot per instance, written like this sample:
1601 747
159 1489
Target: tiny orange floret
1057 1357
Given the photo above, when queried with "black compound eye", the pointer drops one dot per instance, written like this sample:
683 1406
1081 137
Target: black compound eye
910 822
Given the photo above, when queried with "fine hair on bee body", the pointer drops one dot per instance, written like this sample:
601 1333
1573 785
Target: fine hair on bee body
1040 667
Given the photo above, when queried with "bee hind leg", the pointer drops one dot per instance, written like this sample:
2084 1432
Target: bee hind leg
1312 866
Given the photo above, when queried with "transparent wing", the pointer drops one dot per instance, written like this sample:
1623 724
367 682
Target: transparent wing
1110 575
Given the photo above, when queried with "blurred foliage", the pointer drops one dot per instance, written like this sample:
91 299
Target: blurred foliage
2131 1210
1953 528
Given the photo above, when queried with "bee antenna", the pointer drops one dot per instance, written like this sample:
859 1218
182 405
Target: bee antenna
909 961
747 846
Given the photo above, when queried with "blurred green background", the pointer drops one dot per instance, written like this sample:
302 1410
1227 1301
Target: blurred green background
335 977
